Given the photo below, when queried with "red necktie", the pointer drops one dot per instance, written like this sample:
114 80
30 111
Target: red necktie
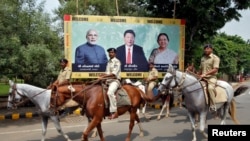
129 60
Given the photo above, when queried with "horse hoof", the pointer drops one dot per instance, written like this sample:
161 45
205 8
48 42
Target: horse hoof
141 135
195 125
148 117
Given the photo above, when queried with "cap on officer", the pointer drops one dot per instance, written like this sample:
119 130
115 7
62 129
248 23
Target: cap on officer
111 49
63 61
208 46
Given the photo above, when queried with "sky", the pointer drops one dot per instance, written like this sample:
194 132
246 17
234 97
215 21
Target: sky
239 28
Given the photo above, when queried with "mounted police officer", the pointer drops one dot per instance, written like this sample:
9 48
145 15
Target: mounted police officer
112 74
209 67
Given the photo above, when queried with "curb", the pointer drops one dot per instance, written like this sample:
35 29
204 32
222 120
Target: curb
16 116
159 106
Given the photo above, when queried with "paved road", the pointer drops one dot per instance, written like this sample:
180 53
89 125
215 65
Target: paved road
174 128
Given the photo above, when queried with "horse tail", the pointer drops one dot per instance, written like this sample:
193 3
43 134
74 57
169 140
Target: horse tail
240 90
232 111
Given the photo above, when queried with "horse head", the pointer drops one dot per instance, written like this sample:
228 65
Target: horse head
169 81
61 94
14 96
57 96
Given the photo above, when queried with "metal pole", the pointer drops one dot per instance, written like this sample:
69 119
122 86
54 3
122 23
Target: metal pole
76 7
117 8
174 9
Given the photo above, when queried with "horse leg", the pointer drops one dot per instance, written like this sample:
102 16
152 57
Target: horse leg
56 122
100 132
94 134
139 125
196 119
203 123
143 112
93 123
133 117
180 100
147 117
162 109
44 127
191 118
167 101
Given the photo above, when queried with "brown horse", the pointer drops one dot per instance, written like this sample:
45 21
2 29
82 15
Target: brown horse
93 100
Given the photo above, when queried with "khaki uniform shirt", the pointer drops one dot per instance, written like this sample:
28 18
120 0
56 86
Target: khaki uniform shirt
64 74
208 63
114 67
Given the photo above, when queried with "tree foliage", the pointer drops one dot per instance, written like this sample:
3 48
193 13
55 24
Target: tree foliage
27 40
31 41
233 52
203 19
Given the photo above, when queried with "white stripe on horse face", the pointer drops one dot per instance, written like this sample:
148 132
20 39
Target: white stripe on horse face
166 78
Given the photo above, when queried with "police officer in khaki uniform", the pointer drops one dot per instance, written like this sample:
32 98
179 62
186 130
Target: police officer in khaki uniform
64 76
112 74
152 78
209 67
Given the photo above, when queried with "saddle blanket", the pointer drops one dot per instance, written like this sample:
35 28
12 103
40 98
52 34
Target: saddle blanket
221 95
122 98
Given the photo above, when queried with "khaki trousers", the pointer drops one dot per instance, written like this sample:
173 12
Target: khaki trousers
113 86
211 88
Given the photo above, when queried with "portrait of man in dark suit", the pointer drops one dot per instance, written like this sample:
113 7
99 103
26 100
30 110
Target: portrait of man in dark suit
132 56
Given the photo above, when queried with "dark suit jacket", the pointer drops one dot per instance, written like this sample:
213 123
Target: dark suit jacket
138 57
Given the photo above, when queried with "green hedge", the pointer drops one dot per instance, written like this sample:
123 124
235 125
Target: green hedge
4 89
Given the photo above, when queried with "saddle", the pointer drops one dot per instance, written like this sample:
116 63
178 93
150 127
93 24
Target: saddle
122 98
220 92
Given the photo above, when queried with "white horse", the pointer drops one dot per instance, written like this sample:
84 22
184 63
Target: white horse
41 98
195 98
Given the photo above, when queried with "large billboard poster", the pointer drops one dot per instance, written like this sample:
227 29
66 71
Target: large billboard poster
157 40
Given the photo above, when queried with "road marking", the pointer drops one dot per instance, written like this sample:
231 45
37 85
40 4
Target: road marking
53 128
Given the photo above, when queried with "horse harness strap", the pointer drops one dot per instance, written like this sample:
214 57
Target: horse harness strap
14 95
182 81
180 84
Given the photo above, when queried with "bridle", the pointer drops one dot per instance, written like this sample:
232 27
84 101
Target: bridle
178 85
15 92
173 78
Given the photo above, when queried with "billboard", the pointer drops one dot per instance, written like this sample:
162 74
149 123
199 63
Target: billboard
149 34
